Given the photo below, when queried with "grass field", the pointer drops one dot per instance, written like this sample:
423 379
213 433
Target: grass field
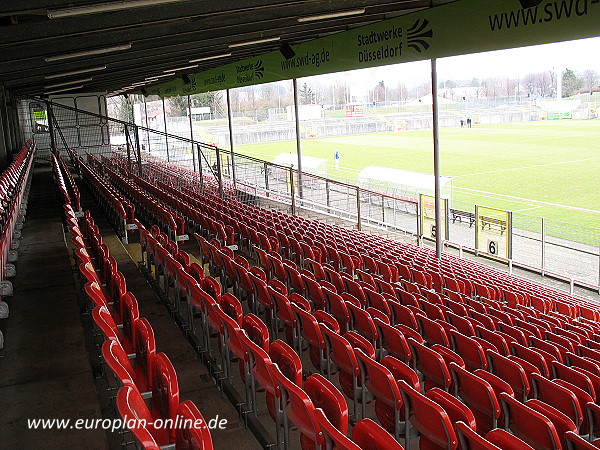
546 169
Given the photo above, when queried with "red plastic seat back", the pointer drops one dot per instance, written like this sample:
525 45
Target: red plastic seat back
194 437
104 321
256 330
145 350
165 389
478 395
529 425
470 440
429 418
131 314
133 410
368 435
380 381
332 434
511 372
431 365
326 396
287 360
116 358
394 341
470 350
300 409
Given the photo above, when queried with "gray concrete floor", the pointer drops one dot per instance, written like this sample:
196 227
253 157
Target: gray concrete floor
45 371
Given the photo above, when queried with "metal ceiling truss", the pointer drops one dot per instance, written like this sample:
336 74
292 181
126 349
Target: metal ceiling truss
161 37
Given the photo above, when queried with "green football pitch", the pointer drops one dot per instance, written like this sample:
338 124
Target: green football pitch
545 169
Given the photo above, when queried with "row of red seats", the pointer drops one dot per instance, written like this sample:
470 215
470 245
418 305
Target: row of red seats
436 363
146 204
273 365
487 282
118 209
66 182
129 350
14 190
15 182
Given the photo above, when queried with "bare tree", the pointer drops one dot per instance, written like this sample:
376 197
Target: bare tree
590 78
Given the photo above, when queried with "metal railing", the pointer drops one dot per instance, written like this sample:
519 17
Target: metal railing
276 186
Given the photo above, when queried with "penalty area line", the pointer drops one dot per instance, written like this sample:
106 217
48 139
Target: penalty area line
530 200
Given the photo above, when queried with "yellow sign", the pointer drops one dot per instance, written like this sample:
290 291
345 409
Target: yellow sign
427 209
493 232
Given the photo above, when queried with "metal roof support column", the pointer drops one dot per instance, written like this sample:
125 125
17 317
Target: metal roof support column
230 120
166 132
147 126
439 235
191 133
298 145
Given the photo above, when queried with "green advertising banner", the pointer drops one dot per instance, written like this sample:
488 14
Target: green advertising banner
461 27
39 116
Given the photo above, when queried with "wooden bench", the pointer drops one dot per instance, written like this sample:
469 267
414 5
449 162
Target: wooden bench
459 215
492 221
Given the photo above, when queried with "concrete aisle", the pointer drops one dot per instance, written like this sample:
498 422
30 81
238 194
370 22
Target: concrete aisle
45 371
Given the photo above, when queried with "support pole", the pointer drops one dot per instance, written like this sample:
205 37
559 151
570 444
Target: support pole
543 230
128 142
138 149
191 133
292 191
50 116
230 118
200 166
219 171
439 236
166 132
298 145
358 215
147 127
6 125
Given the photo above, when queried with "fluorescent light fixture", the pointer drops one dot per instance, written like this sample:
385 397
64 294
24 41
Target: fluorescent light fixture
258 41
207 58
95 51
181 68
334 15
75 72
141 83
155 77
64 89
66 83
104 7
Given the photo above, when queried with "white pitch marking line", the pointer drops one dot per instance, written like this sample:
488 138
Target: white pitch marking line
526 209
529 167
529 200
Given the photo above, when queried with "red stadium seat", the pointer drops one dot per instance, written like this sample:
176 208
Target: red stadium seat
195 437
429 419
478 395
529 425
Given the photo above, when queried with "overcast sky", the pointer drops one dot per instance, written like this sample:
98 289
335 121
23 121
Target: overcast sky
575 55
515 63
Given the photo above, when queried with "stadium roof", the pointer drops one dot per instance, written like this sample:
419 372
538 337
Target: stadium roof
120 43
177 47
